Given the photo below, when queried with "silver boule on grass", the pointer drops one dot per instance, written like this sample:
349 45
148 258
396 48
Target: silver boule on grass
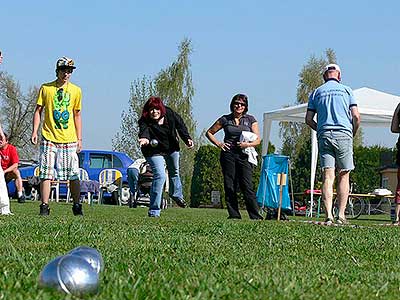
91 255
70 274
154 143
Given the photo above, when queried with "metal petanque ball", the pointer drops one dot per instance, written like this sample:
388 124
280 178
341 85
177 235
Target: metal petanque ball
154 143
91 255
71 274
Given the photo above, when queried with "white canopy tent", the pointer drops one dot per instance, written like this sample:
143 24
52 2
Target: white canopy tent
376 109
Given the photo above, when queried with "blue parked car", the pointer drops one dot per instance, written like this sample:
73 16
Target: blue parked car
93 161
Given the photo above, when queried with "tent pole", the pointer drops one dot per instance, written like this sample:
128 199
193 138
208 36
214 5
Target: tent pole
266 135
291 186
314 152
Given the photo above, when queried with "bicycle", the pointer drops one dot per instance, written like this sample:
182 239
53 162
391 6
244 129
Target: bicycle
355 204
354 208
358 204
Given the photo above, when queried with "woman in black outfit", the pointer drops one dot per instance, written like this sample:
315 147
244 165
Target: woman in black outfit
161 124
395 128
236 168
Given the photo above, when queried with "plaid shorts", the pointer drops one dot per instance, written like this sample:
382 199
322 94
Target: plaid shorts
58 161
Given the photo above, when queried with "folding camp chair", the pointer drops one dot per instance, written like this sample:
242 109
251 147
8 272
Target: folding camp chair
54 187
110 181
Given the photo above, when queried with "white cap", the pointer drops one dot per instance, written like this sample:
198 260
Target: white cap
65 62
332 67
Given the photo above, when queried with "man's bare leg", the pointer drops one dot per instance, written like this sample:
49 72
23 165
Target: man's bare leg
75 190
396 213
18 182
76 193
328 177
45 190
343 192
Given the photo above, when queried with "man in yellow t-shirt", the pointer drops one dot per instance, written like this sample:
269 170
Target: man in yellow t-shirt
61 133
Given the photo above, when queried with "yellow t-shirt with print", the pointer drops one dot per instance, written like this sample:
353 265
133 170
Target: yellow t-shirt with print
59 105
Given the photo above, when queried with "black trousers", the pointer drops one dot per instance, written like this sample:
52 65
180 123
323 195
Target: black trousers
238 171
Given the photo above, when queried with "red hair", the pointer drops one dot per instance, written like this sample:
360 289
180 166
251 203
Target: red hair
153 102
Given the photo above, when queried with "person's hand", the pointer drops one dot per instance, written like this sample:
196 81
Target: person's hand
224 146
34 138
244 145
79 146
143 142
190 144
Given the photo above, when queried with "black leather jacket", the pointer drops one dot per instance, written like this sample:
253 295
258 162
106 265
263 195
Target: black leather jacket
173 125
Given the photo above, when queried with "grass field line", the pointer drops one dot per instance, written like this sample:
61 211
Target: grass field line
200 254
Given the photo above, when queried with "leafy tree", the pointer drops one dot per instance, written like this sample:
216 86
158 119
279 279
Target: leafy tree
207 175
126 140
174 85
367 163
17 115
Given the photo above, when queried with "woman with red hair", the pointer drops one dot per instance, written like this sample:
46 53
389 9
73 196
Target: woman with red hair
159 127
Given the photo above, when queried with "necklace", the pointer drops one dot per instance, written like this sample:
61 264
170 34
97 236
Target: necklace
236 119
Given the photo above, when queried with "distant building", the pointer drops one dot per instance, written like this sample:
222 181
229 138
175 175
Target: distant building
389 177
388 171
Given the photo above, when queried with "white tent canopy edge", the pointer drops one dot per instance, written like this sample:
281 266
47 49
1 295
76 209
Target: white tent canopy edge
376 109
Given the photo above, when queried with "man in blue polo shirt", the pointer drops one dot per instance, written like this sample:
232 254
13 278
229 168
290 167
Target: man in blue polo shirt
337 122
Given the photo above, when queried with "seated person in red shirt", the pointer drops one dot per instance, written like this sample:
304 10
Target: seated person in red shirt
9 163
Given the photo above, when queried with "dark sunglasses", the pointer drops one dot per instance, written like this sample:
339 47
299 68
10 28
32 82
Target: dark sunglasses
239 104
67 70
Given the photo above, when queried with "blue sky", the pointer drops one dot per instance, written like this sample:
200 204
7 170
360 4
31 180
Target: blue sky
254 47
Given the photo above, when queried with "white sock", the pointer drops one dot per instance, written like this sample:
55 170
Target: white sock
19 194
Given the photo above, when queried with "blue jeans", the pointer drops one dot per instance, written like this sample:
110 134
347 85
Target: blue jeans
133 175
157 164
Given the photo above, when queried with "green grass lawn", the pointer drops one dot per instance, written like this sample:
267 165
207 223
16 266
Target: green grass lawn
199 254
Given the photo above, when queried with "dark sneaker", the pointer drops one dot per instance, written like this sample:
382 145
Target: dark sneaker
44 209
21 199
179 201
77 209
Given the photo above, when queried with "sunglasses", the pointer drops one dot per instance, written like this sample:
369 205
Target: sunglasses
66 70
239 104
